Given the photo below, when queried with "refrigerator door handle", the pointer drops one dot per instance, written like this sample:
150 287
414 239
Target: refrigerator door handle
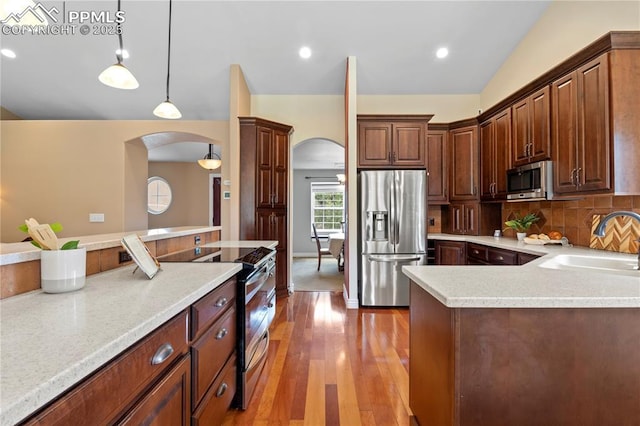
391 259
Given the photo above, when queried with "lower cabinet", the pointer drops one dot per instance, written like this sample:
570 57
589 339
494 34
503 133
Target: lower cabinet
168 402
118 390
467 253
170 377
450 252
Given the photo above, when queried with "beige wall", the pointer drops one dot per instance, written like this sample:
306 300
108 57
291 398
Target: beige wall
239 106
445 108
60 171
190 195
565 28
312 116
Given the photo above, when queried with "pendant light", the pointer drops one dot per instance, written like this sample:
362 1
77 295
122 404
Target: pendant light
211 161
167 109
117 75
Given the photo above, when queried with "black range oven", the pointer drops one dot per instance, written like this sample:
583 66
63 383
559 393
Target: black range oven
256 307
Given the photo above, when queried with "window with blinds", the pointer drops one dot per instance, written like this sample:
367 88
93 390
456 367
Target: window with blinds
327 207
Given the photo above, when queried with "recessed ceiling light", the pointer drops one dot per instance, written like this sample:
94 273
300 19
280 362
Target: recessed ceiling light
304 52
125 53
8 53
442 52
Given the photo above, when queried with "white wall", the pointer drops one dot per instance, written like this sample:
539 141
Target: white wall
300 210
565 28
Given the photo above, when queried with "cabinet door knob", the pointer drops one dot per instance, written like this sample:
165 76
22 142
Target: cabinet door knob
221 302
221 390
220 334
162 354
499 257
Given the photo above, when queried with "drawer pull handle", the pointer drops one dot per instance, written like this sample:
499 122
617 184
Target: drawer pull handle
222 333
500 258
476 252
221 390
221 302
162 354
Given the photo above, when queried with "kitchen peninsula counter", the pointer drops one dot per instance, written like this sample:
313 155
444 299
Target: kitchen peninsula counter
52 341
23 252
524 345
529 285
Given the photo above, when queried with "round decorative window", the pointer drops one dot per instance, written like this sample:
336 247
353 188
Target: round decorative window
158 195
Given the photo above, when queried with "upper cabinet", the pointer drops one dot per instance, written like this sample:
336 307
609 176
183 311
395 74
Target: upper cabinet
582 149
463 163
438 180
389 141
495 147
531 124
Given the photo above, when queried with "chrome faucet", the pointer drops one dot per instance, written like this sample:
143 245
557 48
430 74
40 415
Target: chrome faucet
603 222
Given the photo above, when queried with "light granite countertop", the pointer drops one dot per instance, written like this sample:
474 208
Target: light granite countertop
49 342
23 252
530 285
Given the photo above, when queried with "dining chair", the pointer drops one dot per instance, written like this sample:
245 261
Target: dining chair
321 251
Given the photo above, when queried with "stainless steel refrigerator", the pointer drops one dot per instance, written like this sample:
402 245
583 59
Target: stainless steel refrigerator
393 233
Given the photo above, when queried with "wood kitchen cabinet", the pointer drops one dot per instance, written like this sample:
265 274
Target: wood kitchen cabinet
531 123
120 388
495 147
450 252
437 165
463 161
580 129
479 254
213 354
522 366
390 141
264 155
472 218
594 125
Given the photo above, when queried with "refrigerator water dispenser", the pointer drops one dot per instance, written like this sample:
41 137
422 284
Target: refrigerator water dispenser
378 229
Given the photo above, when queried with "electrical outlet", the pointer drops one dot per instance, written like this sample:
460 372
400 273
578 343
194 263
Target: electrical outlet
196 239
123 256
432 221
96 217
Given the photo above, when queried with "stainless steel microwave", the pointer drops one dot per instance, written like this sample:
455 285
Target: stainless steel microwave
530 182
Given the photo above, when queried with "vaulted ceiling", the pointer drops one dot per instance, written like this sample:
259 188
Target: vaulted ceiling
55 76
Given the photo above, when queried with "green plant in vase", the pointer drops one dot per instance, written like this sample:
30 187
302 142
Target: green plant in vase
521 224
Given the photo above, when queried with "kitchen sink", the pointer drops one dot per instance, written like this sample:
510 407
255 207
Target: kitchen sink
610 265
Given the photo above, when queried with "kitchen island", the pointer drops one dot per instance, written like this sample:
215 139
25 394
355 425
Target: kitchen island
51 342
524 345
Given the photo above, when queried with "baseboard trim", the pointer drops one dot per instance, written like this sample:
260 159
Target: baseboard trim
349 302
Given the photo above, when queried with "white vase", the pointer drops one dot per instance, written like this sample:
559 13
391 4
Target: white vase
63 270
521 235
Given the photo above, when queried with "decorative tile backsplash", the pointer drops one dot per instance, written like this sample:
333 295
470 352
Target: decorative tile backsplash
621 234
574 219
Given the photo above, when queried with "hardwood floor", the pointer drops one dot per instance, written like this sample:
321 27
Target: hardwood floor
332 366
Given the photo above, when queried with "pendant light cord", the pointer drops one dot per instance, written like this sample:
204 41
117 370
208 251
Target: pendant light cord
119 30
168 51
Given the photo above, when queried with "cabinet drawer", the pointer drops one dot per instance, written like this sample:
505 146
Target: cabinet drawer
107 394
477 252
210 352
218 399
526 258
502 257
208 309
167 403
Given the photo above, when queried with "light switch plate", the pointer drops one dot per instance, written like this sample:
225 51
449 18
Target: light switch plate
96 217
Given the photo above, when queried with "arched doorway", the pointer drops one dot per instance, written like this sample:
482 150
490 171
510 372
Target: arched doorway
317 196
172 156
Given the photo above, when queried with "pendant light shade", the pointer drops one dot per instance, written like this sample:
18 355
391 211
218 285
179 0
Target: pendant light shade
167 109
211 161
117 75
